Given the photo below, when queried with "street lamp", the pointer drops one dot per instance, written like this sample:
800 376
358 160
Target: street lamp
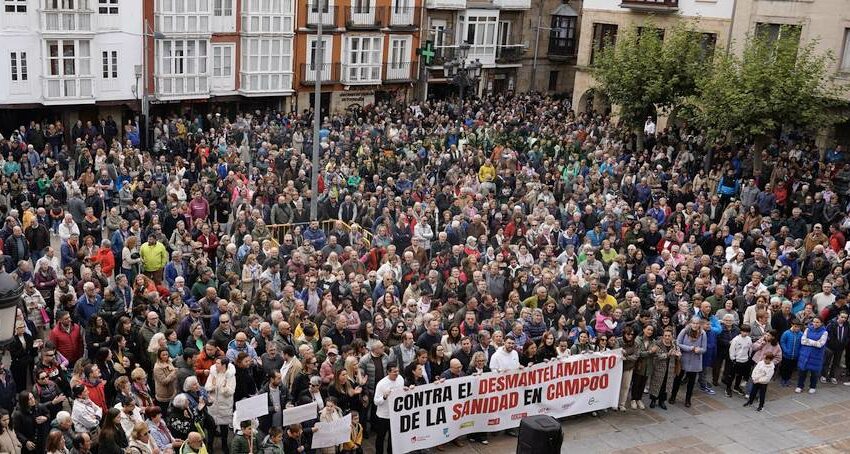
148 32
10 298
461 73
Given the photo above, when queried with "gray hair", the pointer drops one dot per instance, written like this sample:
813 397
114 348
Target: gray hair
189 383
180 401
63 416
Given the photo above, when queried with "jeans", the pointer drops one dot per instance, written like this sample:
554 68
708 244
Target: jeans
624 385
761 390
813 379
831 363
382 428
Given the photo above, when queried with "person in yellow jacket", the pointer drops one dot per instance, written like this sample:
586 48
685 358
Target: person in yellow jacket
486 176
353 446
154 258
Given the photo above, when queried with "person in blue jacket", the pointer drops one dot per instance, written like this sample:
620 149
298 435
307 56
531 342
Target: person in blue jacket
810 361
790 344
708 357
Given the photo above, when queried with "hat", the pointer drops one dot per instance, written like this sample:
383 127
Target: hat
193 306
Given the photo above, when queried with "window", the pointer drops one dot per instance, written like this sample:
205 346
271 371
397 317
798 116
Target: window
562 36
67 4
19 66
845 58
316 4
222 61
399 51
68 58
183 56
109 61
773 32
553 80
604 35
708 43
15 6
314 48
183 16
267 16
107 6
364 58
267 64
481 35
222 7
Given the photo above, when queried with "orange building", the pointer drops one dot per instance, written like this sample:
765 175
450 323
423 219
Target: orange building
369 51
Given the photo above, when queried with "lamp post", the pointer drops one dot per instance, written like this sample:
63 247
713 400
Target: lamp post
10 297
462 73
148 32
317 115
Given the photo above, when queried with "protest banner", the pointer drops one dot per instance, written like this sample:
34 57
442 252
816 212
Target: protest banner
433 414
300 413
332 433
251 407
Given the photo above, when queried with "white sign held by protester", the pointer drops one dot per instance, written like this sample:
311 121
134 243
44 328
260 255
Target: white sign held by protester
437 413
333 433
300 413
251 408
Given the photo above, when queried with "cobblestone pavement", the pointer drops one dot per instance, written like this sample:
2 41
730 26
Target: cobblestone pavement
790 423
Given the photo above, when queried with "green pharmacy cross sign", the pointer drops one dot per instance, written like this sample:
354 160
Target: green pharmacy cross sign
427 52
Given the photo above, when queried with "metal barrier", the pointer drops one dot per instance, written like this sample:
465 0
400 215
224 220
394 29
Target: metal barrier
280 230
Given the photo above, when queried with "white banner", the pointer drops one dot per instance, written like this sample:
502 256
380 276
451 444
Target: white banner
333 433
437 413
300 413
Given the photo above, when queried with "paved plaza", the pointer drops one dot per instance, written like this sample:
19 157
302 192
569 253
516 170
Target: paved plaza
790 423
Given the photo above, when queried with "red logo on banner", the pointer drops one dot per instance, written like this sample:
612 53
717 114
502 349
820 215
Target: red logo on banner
493 422
518 416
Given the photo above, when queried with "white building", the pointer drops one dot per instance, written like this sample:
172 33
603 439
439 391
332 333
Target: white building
212 49
70 52
493 29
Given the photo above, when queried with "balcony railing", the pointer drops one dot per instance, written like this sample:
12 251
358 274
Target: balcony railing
445 4
405 71
68 89
178 85
513 4
562 47
361 74
329 72
654 5
510 53
364 16
404 16
328 15
66 21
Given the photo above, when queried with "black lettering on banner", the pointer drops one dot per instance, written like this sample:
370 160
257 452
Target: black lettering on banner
533 396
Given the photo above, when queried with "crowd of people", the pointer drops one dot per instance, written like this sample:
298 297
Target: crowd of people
450 239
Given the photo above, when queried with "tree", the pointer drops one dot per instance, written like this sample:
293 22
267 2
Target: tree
776 81
647 69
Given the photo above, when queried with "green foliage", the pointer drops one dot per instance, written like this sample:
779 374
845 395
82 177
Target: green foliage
648 69
776 81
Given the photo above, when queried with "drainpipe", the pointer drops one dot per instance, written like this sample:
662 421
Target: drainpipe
536 46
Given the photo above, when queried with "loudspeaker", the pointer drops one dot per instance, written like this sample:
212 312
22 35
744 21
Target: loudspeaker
539 434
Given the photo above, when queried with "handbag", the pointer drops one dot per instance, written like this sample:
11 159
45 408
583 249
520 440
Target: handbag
44 317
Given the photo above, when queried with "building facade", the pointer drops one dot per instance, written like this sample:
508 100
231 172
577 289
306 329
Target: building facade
552 31
59 53
602 19
495 32
205 51
368 51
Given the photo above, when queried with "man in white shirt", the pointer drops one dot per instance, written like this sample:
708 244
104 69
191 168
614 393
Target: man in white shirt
383 389
506 357
649 127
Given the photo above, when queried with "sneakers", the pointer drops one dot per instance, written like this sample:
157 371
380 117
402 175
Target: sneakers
747 403
760 409
798 390
634 405
641 405
728 393
847 383
622 408
739 391
707 390
823 379
812 390
485 442
833 381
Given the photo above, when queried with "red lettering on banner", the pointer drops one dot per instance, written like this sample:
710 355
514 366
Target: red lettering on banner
481 405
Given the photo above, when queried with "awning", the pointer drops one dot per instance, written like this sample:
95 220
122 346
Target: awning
565 10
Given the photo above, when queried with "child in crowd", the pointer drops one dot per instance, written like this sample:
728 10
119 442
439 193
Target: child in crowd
739 353
761 376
